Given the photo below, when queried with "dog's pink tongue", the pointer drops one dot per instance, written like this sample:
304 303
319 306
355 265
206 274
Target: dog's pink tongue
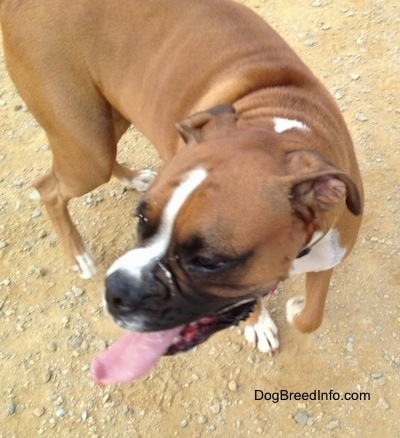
132 356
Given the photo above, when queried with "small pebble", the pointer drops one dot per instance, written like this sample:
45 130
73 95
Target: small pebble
116 192
251 360
380 381
77 291
183 424
84 415
34 196
46 376
100 345
376 375
383 405
42 234
310 43
301 418
361 117
225 402
216 408
127 409
39 411
236 348
76 342
202 419
5 282
52 347
61 412
58 401
361 40
232 386
17 183
334 424
11 408
36 214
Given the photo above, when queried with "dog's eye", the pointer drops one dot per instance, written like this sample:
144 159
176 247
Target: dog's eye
142 218
145 229
207 263
140 211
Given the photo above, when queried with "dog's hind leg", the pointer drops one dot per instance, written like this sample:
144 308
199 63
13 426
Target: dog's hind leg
82 127
81 135
76 170
83 160
139 180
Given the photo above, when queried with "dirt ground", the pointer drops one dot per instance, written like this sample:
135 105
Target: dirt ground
52 323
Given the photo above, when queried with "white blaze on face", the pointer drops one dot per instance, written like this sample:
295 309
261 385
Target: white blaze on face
133 261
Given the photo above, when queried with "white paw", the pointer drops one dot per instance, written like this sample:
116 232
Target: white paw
142 181
264 333
294 306
86 265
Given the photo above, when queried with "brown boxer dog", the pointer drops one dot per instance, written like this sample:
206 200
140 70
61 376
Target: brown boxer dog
261 180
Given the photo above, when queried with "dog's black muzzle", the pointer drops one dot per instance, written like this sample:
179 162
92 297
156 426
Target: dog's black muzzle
153 301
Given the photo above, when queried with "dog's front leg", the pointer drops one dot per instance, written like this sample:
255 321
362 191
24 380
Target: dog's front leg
306 313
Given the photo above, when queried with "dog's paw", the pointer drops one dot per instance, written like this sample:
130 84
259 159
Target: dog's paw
294 306
142 181
85 265
263 334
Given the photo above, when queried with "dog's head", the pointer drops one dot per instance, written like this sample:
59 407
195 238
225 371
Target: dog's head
219 228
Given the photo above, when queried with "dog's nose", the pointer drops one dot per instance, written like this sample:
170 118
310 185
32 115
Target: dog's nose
122 292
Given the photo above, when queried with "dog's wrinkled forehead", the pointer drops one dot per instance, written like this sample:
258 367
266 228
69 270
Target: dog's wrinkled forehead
158 243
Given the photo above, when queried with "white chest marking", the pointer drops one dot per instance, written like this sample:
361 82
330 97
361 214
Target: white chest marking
325 254
133 261
282 125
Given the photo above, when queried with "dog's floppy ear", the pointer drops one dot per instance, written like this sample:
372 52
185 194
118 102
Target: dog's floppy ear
317 186
207 124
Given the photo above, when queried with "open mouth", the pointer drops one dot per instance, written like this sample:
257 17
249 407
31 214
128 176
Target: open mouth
199 331
135 354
